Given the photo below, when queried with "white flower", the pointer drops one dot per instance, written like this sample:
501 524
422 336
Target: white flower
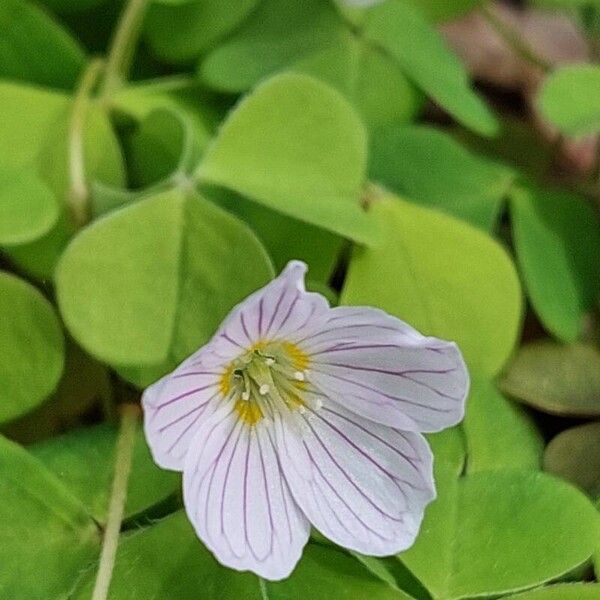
295 414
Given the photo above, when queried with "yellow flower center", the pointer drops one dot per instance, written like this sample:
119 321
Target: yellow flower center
268 377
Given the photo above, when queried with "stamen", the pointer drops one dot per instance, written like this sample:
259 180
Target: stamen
270 362
263 390
246 396
299 376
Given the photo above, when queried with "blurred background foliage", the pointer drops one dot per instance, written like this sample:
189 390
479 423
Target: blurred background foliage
438 159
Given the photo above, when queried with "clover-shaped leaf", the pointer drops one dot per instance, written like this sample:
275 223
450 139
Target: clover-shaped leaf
202 259
449 279
32 357
296 146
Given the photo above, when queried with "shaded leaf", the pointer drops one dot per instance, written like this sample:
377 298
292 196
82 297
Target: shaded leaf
70 456
404 33
32 357
179 32
35 48
574 455
313 38
47 536
555 378
188 569
561 274
431 168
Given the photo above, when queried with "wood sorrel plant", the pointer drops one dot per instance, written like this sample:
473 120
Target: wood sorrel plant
160 167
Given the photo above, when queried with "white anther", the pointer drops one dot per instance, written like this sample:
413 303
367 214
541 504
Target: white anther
263 389
318 403
245 395
299 376
270 362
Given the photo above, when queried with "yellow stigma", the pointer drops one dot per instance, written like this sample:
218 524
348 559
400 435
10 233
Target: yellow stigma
298 358
249 412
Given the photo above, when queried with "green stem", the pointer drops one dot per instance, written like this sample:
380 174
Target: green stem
513 39
78 193
122 48
123 459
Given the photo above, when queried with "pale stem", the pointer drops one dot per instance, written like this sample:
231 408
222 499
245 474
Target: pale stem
120 54
123 459
78 193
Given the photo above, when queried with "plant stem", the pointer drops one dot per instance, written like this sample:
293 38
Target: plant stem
513 39
124 455
78 194
120 54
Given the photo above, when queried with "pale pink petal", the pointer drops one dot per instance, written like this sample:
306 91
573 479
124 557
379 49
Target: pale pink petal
363 485
175 406
282 310
238 500
379 367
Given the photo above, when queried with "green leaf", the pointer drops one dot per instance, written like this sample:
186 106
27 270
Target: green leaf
69 457
277 35
72 6
491 533
178 94
296 146
366 76
28 208
47 537
563 591
449 449
574 455
188 569
163 145
27 111
146 285
431 168
286 238
32 357
311 37
570 99
442 10
561 274
85 384
498 433
449 280
404 33
183 31
563 380
35 48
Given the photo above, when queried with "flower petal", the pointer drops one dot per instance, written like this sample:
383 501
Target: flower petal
174 408
283 309
238 500
363 485
381 368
